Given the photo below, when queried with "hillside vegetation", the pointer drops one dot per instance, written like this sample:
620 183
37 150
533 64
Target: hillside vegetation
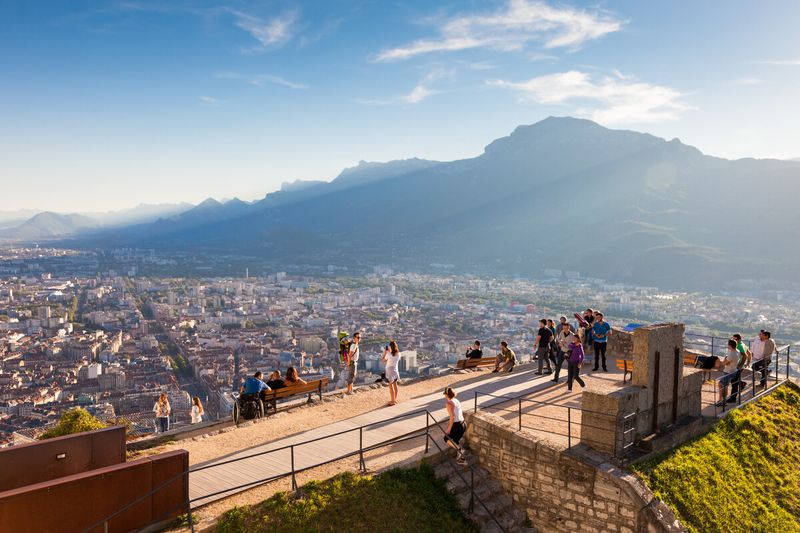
743 475
398 500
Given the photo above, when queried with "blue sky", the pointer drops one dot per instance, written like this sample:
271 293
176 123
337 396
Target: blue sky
108 104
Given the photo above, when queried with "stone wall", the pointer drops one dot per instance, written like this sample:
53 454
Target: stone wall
563 490
620 344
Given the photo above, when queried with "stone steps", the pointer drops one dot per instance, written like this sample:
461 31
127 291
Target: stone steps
487 490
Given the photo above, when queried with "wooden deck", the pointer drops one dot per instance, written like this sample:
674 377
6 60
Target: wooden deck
382 424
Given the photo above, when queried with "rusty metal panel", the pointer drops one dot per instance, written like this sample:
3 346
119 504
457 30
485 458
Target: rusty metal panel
75 502
62 456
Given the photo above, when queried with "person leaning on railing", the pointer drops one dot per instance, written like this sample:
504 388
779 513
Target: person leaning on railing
730 369
762 355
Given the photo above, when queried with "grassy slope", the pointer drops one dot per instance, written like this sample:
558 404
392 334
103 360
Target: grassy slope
743 475
397 500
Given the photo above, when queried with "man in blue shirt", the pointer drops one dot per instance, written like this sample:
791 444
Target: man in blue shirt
254 385
600 332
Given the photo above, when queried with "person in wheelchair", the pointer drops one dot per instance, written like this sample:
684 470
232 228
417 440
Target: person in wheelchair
253 389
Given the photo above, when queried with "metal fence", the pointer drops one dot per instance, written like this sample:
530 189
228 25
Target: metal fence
425 430
563 424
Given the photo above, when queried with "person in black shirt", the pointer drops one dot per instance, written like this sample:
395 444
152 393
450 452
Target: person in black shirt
542 346
474 351
275 381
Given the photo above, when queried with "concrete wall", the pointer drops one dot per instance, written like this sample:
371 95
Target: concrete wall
73 503
62 456
563 490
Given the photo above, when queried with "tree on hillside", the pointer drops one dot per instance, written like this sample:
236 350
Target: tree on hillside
76 420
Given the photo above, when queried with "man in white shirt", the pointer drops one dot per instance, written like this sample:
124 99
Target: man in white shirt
762 355
352 367
757 347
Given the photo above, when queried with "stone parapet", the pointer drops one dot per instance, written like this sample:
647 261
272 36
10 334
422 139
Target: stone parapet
565 490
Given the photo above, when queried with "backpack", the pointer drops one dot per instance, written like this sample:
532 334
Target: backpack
344 347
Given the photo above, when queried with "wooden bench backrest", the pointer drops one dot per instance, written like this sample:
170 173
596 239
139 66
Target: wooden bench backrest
472 363
292 390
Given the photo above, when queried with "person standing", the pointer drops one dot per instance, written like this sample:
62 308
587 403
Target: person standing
574 362
600 333
551 325
455 428
766 357
391 357
162 411
565 338
197 410
352 367
730 368
745 356
542 346
474 351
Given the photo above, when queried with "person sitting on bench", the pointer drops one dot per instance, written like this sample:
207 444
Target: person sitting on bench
474 351
275 381
292 378
506 359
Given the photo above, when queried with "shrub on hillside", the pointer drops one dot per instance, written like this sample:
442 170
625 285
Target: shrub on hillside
75 420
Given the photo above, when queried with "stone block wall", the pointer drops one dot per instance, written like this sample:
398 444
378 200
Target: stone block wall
563 490
620 344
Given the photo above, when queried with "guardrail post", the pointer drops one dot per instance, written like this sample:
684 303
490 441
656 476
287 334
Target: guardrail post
475 409
471 506
520 414
712 346
753 379
294 479
788 350
427 430
569 427
361 465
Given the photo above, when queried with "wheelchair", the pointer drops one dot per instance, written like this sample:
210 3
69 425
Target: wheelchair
247 407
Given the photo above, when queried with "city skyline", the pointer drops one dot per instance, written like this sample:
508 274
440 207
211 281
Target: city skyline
112 104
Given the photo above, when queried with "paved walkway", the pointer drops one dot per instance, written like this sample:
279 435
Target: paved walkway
382 424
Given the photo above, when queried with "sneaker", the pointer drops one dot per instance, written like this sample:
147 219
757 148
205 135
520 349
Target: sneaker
461 459
548 372
594 369
605 369
538 373
554 380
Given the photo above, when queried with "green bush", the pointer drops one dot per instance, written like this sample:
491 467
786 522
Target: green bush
743 475
398 500
76 420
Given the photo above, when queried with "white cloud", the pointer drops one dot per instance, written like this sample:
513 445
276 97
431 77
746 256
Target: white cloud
511 28
270 33
783 62
261 79
609 100
209 100
419 93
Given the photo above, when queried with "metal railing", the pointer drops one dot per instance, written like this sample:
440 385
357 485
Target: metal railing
294 470
726 395
567 422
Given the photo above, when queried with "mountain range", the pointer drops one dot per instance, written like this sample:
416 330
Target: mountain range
563 193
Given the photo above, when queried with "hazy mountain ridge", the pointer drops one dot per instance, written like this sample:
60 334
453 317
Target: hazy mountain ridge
562 193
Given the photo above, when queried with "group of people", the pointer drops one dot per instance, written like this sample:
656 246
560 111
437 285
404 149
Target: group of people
163 410
557 342
757 357
256 385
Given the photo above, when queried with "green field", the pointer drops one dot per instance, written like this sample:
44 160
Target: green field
742 476
398 500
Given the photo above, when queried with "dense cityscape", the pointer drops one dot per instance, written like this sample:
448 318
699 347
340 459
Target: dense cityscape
88 329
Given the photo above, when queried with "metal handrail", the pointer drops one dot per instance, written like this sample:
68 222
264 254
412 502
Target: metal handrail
519 399
294 471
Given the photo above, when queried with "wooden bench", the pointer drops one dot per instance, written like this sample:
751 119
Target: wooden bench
463 364
272 397
626 365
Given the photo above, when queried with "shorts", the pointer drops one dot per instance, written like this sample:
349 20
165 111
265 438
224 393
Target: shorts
351 373
392 375
456 432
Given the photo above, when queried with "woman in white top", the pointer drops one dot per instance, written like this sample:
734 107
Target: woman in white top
456 427
197 410
391 357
